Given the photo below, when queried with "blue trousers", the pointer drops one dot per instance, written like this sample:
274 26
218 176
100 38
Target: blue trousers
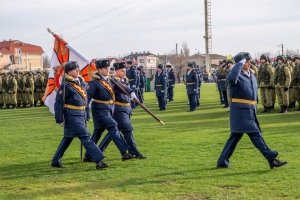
90 147
161 102
128 136
256 139
115 136
192 101
170 93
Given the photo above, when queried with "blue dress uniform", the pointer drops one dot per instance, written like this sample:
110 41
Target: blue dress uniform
101 92
199 75
171 83
122 114
70 108
192 87
160 84
132 79
243 88
141 84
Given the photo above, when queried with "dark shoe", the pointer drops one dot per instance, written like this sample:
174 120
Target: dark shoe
85 159
276 163
101 165
127 156
140 156
222 166
57 165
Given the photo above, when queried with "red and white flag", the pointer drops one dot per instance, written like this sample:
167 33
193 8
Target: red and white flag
62 53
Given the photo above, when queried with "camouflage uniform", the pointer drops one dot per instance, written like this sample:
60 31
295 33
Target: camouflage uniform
266 84
39 88
291 66
282 83
29 89
1 92
12 91
296 81
5 90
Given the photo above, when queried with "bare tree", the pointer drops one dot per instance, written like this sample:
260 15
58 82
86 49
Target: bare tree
46 61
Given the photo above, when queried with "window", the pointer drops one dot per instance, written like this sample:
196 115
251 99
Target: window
142 60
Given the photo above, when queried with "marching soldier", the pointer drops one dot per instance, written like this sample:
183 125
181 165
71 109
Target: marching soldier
296 80
29 89
228 68
160 84
171 82
282 83
39 88
199 74
70 112
122 112
101 92
192 86
265 81
222 73
21 88
132 78
12 87
218 80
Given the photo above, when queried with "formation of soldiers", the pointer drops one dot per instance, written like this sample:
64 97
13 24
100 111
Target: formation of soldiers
278 79
22 89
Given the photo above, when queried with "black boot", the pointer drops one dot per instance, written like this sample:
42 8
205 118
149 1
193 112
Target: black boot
101 165
13 106
24 105
19 105
7 106
276 163
283 109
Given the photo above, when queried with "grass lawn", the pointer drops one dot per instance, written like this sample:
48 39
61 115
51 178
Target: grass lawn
181 157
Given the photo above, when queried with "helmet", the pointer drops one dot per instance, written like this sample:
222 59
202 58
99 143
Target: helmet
70 66
191 64
280 58
296 58
102 63
264 57
161 66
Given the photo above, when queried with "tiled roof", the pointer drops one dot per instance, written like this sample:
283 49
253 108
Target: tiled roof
11 45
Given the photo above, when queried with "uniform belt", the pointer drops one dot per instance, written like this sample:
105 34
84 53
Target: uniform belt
73 107
244 101
191 83
130 79
122 104
170 79
223 79
158 85
109 102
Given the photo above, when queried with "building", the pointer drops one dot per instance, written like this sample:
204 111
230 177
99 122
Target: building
148 60
200 59
17 55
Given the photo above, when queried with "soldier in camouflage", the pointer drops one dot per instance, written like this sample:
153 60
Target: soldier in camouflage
282 83
39 88
266 83
296 80
291 65
12 88
29 89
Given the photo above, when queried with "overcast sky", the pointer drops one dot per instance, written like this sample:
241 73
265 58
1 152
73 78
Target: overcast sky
98 28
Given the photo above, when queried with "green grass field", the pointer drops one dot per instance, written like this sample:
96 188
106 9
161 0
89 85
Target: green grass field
181 157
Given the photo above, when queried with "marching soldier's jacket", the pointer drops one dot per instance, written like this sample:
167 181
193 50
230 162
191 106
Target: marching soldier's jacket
221 76
122 106
192 82
171 78
243 91
12 85
296 76
160 84
102 94
142 81
71 107
132 77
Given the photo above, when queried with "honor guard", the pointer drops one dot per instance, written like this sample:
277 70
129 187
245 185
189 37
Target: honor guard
141 83
171 82
160 84
199 74
265 81
296 80
101 92
122 112
282 81
243 88
132 77
192 82
71 112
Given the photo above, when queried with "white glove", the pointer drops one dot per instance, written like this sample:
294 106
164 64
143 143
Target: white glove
243 61
133 96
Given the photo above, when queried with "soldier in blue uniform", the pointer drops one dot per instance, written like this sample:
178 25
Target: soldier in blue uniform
101 92
192 82
70 112
160 84
218 80
243 89
132 78
122 112
141 83
171 82
199 74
